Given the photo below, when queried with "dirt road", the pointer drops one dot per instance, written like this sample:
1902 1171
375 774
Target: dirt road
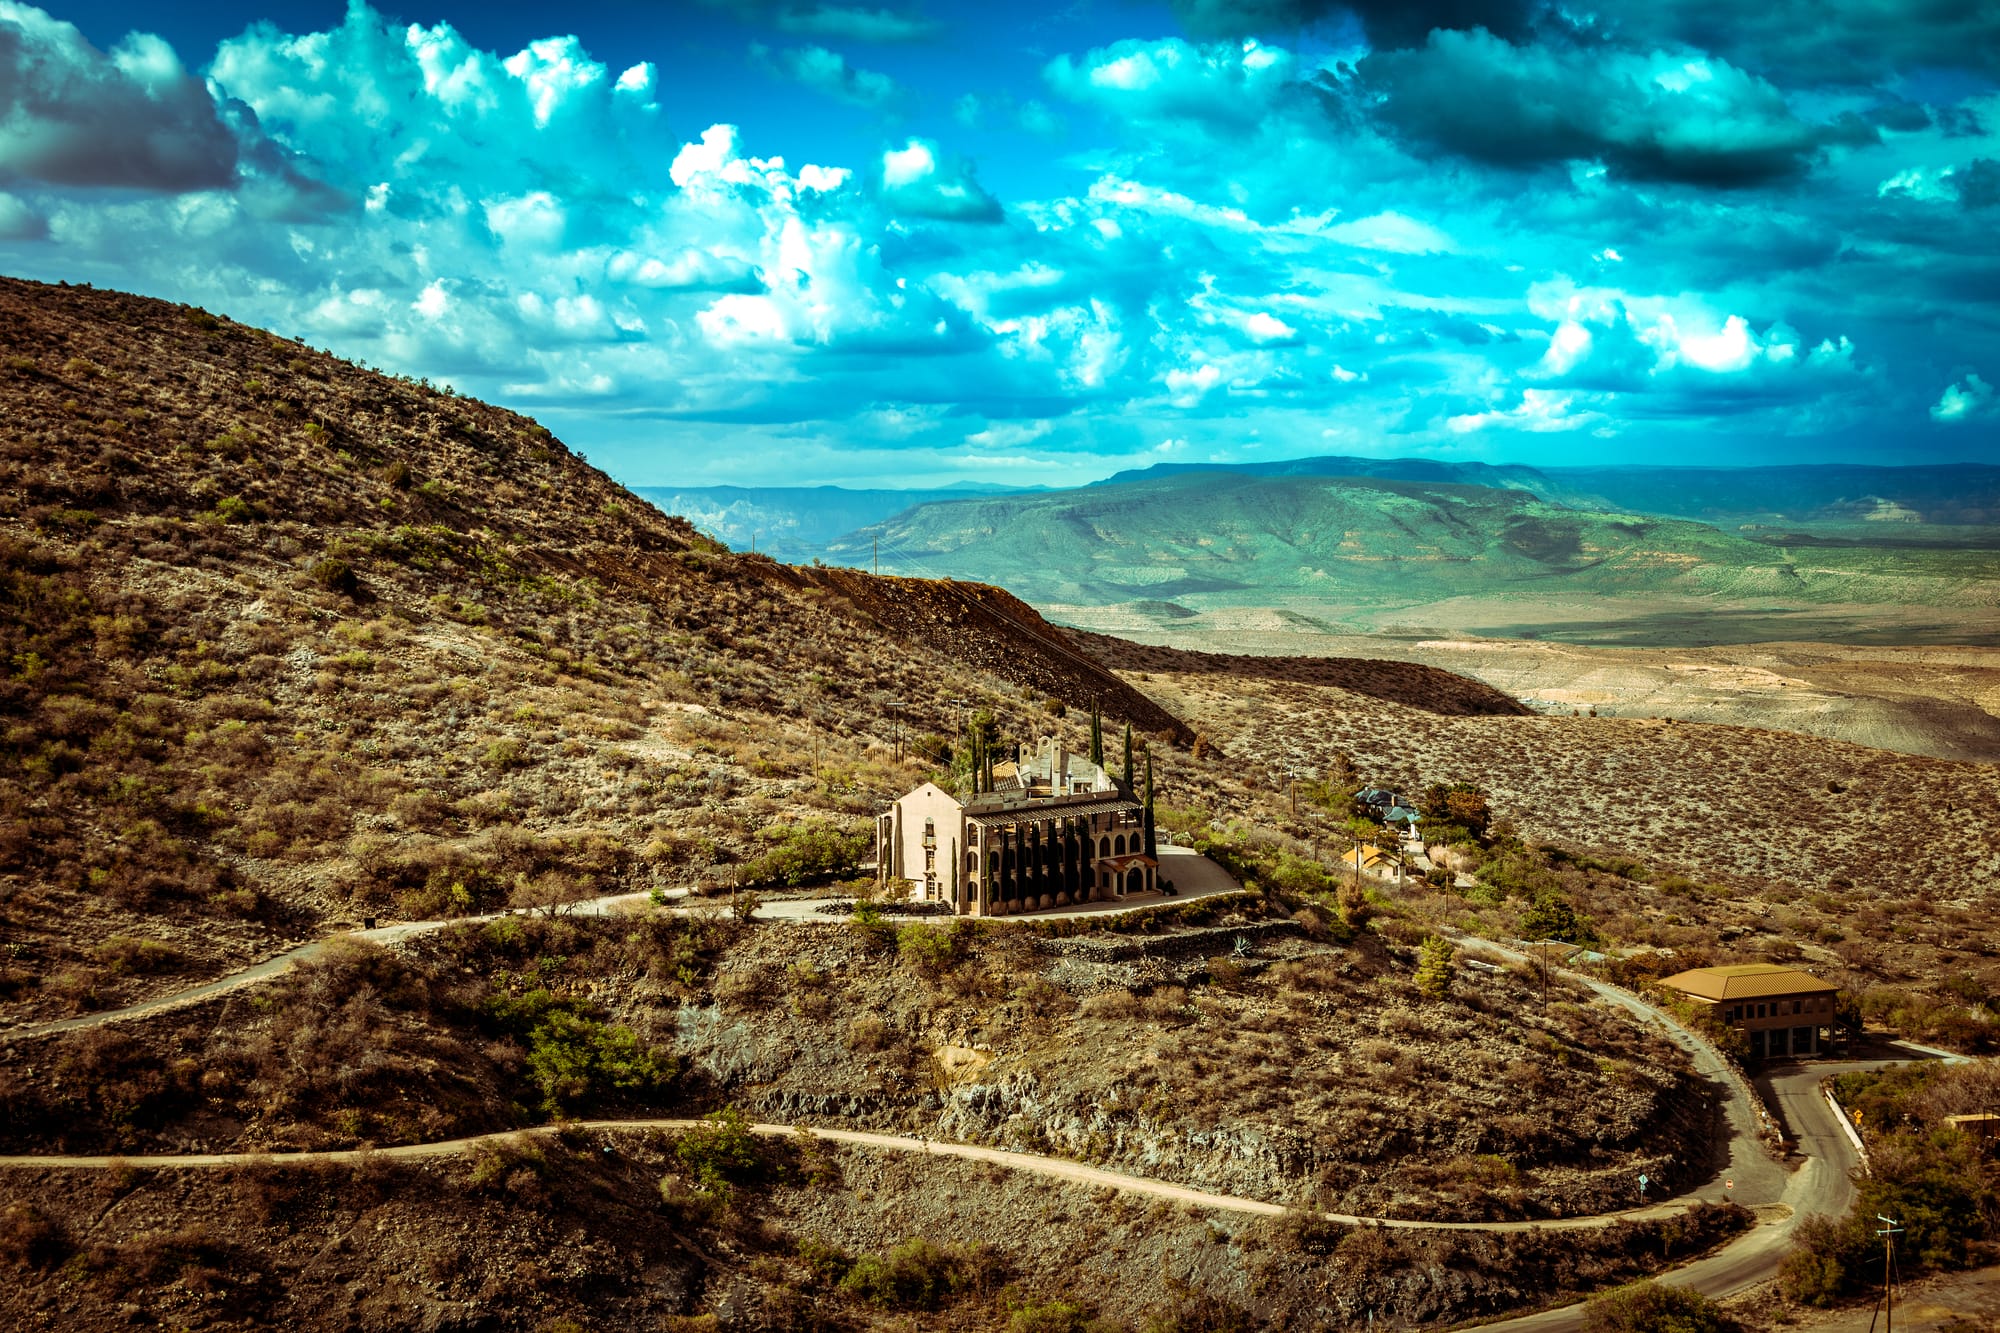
1054 1167
1194 875
278 964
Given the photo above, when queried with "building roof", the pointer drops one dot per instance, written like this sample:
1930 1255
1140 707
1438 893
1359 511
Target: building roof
1747 981
1028 810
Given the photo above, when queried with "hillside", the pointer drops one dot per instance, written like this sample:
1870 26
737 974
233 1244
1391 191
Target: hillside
290 643
1361 554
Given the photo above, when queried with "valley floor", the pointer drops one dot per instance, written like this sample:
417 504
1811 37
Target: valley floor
1942 701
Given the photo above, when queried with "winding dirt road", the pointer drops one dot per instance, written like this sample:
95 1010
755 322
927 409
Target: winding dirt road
1054 1167
278 964
1780 1199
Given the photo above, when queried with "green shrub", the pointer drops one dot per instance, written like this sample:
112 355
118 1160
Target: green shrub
722 1153
1551 917
804 853
502 754
574 1058
875 932
1055 1316
235 509
123 954
915 1275
1652 1307
934 950
336 575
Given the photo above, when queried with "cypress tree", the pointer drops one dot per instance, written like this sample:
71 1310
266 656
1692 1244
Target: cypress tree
1096 735
1152 848
1128 760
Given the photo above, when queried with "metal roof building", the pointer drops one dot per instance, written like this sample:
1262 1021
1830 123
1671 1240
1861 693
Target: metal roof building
1781 1011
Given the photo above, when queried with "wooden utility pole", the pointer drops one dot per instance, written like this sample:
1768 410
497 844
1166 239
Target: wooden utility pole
1888 1231
878 557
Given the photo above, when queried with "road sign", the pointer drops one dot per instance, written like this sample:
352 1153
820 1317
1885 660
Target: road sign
1729 1184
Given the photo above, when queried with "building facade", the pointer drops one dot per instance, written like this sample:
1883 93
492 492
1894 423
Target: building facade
1781 1011
1055 831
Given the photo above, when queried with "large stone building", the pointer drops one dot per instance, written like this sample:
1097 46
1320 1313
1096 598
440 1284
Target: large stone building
1781 1011
1054 831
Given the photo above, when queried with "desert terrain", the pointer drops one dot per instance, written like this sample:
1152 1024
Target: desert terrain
292 645
1942 701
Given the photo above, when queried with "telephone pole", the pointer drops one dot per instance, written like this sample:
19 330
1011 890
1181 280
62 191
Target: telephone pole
878 557
1888 1231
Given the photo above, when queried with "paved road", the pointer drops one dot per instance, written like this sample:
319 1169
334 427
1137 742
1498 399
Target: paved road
1759 1179
1821 1186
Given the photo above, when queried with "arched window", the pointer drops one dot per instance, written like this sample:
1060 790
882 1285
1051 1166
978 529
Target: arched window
1118 845
930 828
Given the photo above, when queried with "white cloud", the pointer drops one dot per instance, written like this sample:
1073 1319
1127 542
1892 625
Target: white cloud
828 73
917 179
1394 232
1969 399
1539 411
1172 79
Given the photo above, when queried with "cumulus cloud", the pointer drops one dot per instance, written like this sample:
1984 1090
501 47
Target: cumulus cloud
1677 356
1218 262
1669 116
73 115
917 179
1228 82
1969 399
18 222
1539 411
828 72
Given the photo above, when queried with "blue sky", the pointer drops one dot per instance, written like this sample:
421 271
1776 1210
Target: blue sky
899 242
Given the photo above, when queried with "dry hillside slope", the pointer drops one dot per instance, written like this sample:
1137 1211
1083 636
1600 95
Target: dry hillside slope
288 642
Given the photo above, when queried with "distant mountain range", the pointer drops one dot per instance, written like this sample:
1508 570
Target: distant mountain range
1957 494
1500 477
1362 544
797 522
1360 554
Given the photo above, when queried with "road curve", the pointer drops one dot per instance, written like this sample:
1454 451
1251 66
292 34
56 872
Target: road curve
1054 1167
278 964
1823 1185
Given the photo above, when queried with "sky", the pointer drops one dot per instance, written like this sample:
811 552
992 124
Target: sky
908 242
